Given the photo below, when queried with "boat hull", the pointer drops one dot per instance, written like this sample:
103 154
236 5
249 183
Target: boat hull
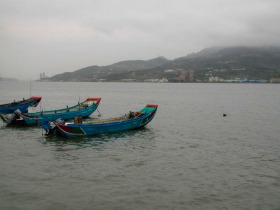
65 114
20 105
74 130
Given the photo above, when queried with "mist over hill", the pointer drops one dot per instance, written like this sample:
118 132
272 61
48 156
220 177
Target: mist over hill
218 62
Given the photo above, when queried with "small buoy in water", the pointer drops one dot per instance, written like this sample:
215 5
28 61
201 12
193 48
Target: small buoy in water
224 115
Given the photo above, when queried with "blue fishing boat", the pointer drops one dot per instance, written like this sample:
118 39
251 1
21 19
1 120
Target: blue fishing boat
129 121
83 109
22 105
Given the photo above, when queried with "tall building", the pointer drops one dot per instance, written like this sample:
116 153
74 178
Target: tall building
182 76
190 74
42 75
186 75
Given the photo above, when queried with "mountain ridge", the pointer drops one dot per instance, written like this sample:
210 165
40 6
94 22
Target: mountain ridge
92 73
225 62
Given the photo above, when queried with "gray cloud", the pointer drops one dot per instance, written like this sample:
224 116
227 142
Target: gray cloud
65 35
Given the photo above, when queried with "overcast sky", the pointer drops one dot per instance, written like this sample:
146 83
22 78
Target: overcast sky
56 36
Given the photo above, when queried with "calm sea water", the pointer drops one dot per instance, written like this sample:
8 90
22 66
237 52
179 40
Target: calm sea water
188 157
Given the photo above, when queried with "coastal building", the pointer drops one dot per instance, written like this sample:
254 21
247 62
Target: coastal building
186 75
42 76
215 79
275 80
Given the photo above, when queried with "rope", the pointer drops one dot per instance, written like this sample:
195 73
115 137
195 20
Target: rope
98 112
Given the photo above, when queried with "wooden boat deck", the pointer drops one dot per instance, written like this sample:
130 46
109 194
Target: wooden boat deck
111 120
130 115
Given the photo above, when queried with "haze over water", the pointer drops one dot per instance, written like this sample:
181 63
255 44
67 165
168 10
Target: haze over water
188 157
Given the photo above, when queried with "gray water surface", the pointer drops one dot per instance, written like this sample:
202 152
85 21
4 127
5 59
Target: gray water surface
188 157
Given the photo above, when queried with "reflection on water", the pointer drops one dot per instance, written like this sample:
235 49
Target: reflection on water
96 141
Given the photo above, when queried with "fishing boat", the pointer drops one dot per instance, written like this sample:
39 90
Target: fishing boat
22 105
83 109
132 120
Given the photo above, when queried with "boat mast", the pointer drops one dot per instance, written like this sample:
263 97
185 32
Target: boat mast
30 87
